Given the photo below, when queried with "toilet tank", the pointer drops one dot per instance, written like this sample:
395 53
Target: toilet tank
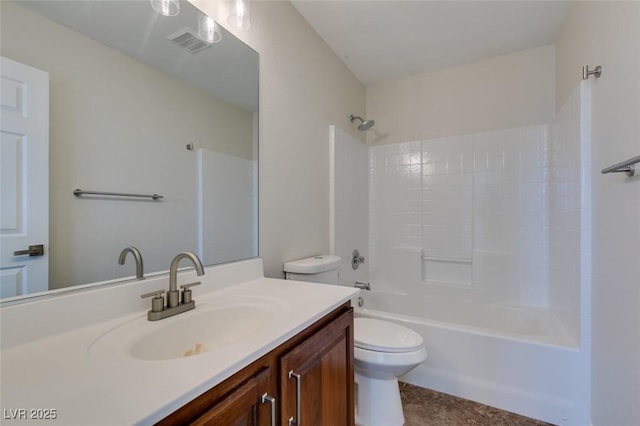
319 269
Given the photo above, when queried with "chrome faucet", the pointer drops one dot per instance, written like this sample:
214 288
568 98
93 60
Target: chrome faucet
173 293
175 303
362 286
137 256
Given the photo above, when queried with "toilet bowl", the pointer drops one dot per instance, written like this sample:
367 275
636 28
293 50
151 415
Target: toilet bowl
383 351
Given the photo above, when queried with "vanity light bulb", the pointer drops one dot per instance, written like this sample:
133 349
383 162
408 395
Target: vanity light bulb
240 16
166 7
208 30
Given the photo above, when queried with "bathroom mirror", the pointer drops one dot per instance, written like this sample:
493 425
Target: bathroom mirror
138 104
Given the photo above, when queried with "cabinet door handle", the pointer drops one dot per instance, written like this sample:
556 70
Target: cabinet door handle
272 401
298 377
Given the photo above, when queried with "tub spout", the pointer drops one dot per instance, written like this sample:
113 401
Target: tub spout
362 286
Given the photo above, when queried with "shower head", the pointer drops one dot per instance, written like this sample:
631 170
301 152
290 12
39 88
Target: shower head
366 125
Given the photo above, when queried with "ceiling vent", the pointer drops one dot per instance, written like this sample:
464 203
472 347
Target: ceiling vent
188 40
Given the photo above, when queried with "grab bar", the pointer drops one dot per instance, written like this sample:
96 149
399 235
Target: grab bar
625 166
80 192
448 259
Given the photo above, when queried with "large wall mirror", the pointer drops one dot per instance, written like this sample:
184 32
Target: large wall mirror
137 104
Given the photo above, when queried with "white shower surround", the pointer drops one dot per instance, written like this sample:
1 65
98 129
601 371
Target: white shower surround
510 330
475 207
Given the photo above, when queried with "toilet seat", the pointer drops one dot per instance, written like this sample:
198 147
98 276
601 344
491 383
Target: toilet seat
383 336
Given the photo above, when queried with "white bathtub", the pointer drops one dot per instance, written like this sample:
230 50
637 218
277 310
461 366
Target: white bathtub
517 359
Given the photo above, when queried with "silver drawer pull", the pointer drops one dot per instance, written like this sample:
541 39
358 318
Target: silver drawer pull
298 377
272 401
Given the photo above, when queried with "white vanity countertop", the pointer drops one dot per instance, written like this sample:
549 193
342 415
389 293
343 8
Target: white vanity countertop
64 374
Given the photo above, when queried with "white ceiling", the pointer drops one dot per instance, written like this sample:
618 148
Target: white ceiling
392 39
227 70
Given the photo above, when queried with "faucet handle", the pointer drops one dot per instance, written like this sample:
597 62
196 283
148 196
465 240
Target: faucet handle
156 293
187 287
157 303
356 259
186 291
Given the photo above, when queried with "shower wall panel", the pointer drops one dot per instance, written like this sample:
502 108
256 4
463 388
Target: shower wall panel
349 203
463 212
570 213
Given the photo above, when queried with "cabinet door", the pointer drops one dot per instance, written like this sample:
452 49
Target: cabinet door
321 368
243 406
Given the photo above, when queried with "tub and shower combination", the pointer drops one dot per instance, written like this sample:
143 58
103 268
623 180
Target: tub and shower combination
474 242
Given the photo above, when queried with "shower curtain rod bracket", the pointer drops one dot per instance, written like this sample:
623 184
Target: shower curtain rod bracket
596 72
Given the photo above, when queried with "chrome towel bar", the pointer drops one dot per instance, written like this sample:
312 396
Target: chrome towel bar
448 259
80 192
625 166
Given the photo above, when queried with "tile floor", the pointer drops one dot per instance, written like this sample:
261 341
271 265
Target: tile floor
424 407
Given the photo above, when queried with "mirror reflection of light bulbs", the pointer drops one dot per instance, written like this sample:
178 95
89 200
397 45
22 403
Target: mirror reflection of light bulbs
166 7
208 30
240 14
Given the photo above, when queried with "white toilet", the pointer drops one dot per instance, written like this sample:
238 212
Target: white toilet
383 350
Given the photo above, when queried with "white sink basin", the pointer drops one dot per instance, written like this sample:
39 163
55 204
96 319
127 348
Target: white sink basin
203 332
209 327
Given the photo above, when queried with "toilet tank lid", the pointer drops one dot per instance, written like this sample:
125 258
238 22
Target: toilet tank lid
313 265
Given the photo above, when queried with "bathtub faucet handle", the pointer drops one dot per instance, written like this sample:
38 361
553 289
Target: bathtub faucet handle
362 286
356 259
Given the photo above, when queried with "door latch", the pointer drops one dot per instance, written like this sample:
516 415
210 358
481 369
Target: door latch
36 250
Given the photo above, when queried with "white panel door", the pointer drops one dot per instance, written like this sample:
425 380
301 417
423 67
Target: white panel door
24 178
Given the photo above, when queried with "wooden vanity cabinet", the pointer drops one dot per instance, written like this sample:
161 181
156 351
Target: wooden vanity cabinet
234 402
319 371
243 406
318 361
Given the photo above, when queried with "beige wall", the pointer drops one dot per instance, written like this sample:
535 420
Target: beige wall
304 87
118 125
506 91
608 34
